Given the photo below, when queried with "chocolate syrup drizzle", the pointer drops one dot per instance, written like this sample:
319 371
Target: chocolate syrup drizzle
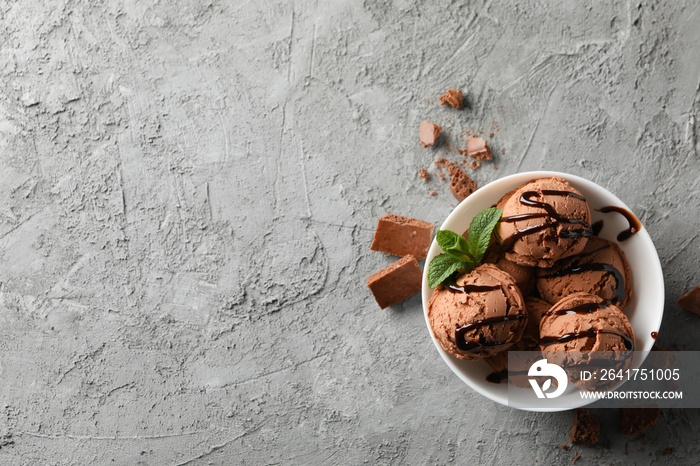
470 288
619 293
632 220
597 227
460 332
464 345
497 377
551 216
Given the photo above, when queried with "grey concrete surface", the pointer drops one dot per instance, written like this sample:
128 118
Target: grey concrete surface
189 191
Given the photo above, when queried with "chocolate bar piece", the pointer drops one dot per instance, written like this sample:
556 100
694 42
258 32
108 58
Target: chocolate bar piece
586 428
478 149
691 301
462 185
635 420
452 97
396 282
429 133
400 236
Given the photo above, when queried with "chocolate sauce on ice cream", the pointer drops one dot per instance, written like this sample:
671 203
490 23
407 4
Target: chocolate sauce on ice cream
590 333
597 227
471 288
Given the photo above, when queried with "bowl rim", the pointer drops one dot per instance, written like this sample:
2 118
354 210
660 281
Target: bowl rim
495 191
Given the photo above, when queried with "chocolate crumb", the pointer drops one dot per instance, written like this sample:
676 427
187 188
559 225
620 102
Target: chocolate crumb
667 451
586 428
691 301
635 420
576 459
424 175
475 165
490 135
429 132
478 149
432 193
452 97
564 447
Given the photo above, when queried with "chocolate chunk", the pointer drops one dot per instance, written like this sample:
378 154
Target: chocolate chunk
400 236
691 301
586 428
429 133
478 149
452 97
396 282
635 420
462 186
664 361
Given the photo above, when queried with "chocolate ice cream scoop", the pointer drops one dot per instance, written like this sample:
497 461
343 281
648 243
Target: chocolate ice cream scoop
584 332
523 275
481 314
536 309
601 269
585 322
543 221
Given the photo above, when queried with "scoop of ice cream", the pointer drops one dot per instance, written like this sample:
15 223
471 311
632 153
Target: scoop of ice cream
601 269
482 314
543 221
585 322
536 308
523 275
584 332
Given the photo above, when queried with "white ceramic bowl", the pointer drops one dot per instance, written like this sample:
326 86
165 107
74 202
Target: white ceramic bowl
644 311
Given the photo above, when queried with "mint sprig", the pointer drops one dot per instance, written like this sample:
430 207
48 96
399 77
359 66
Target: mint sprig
461 253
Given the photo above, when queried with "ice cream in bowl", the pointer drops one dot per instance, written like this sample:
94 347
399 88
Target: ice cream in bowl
539 261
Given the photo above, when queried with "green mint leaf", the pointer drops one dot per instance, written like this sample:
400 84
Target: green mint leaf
480 230
450 241
444 265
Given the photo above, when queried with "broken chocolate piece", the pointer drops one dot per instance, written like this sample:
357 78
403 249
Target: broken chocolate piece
400 236
396 282
429 133
478 149
452 97
666 361
462 186
635 420
691 301
586 428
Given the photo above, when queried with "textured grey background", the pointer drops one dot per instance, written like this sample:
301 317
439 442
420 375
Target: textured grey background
189 189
